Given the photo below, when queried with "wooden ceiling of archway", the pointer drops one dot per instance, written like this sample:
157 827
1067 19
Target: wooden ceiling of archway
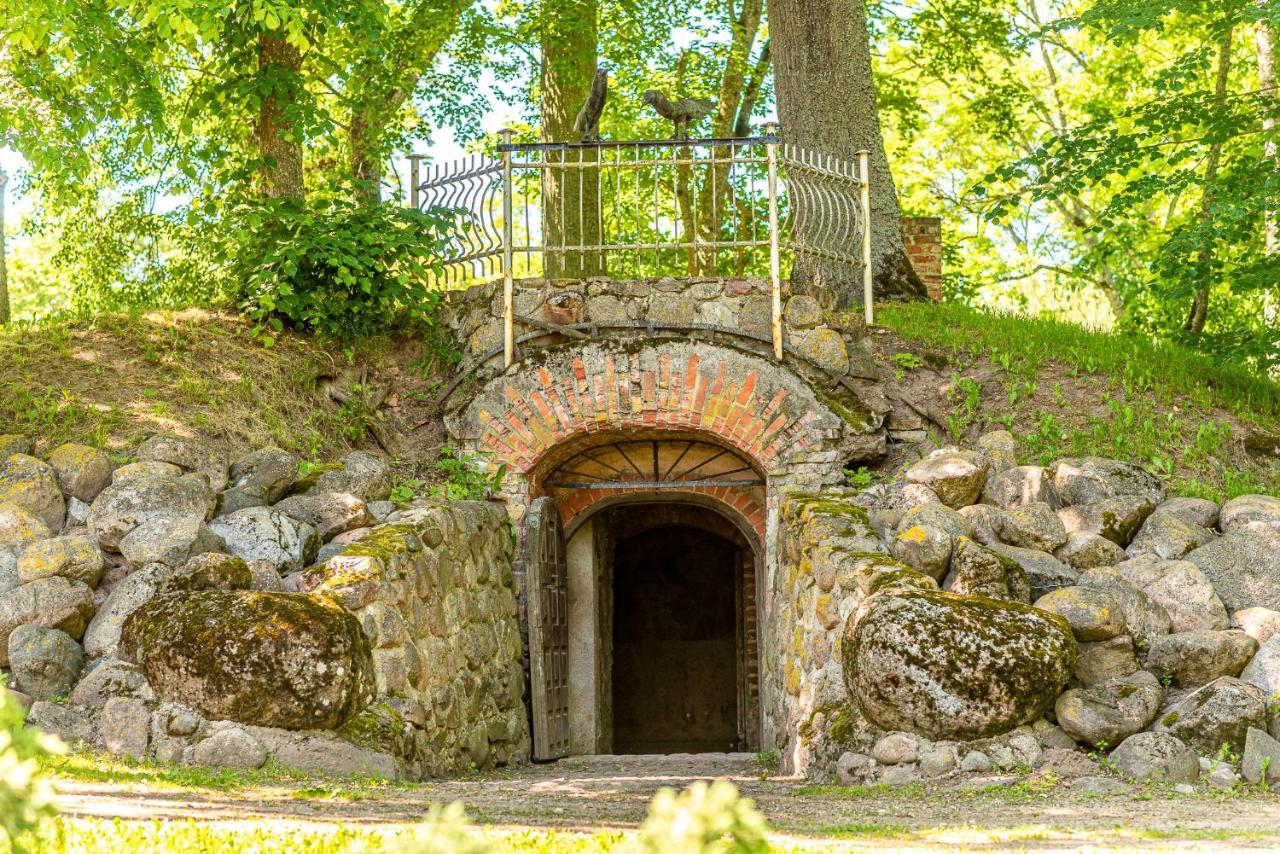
655 464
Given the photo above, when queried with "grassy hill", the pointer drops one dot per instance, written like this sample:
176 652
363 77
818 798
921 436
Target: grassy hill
1062 390
1211 430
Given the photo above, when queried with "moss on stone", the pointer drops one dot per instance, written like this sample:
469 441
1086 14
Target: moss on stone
379 727
1170 719
849 410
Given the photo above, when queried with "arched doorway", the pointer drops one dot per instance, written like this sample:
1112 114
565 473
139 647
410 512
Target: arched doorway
663 653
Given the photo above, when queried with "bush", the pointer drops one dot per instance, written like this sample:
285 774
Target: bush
703 819
337 269
24 798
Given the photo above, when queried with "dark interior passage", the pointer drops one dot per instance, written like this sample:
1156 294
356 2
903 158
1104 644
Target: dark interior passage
675 652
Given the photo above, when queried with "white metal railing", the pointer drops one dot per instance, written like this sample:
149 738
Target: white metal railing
652 207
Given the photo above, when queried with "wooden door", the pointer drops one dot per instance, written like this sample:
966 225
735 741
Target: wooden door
547 592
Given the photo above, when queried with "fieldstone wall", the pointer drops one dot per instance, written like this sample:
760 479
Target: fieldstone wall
828 338
435 594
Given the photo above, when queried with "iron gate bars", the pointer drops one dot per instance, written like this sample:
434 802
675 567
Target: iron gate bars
646 207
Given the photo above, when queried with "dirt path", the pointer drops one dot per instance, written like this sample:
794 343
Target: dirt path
591 793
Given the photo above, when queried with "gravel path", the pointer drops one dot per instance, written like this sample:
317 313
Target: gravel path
591 793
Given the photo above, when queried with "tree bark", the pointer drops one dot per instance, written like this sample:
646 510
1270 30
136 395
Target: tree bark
827 103
279 149
1266 43
570 196
385 79
4 272
1199 312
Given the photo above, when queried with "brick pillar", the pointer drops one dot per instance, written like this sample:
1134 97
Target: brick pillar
922 236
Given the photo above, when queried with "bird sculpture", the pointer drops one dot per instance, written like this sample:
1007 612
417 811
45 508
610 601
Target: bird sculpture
680 113
588 121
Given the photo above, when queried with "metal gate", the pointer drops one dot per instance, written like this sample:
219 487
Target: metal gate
547 594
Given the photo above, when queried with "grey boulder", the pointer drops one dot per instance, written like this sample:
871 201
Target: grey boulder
126 504
45 662
330 513
956 476
270 470
81 471
1197 658
32 484
75 557
1084 550
1091 613
979 571
1250 511
55 603
110 677
1156 756
1244 566
1118 519
361 474
1144 619
1187 596
1045 573
1033 526
1105 715
264 533
1085 480
926 536
1197 511
1215 715
1020 485
1264 669
188 454
170 540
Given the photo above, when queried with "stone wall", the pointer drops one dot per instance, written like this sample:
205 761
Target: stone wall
826 549
434 592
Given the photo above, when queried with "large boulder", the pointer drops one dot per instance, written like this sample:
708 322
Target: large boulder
1261 624
1217 714
82 472
1156 756
956 476
55 603
264 533
1118 519
979 571
1264 669
171 540
271 659
1104 660
32 484
1169 537
45 662
1250 511
1045 573
1084 550
270 470
926 536
1091 613
128 503
1020 485
1085 480
19 527
1197 658
363 475
1000 448
955 667
1244 566
330 513
985 521
1198 511
76 557
190 455
102 637
1033 526
1144 619
1187 596
107 678
897 495
1105 715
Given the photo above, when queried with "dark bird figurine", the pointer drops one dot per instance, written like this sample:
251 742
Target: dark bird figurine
588 121
680 113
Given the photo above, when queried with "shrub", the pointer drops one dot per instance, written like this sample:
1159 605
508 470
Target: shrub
703 819
336 268
24 798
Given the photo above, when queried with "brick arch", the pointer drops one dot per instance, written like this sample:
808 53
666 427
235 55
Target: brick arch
763 409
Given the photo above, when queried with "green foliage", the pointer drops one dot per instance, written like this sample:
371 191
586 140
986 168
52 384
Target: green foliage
703 819
25 798
466 477
342 270
904 363
445 830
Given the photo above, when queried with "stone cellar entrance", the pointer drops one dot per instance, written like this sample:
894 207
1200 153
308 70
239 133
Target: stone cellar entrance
662 631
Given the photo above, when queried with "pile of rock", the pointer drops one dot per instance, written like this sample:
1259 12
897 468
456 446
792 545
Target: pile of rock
1160 617
148 606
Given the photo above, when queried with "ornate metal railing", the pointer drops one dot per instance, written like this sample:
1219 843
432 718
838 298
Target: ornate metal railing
651 207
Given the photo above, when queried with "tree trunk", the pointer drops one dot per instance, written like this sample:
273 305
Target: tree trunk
570 196
1266 41
279 150
4 272
386 79
827 103
1199 312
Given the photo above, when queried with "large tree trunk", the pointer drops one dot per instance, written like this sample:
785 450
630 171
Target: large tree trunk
281 156
827 103
386 79
570 196
1266 41
4 273
1199 311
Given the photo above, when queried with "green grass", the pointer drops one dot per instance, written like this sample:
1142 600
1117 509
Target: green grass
1068 391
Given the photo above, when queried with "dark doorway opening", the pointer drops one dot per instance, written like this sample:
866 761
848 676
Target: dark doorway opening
677 642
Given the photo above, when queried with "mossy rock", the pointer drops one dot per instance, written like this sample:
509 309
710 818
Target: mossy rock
954 667
284 660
